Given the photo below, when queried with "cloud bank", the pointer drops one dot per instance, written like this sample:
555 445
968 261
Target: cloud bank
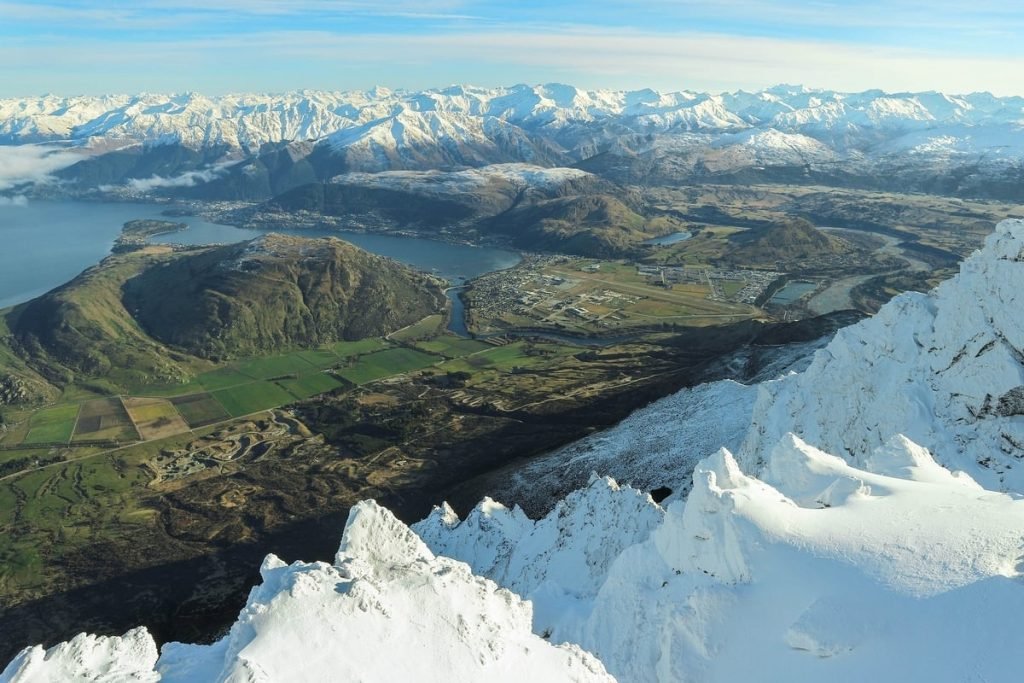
16 200
32 164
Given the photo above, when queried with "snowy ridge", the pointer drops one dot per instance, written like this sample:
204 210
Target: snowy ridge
386 593
246 121
563 557
131 657
657 445
820 569
771 147
857 533
944 368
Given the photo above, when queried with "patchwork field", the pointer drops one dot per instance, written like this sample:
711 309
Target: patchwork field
428 327
320 358
155 418
512 357
347 349
200 410
105 419
223 378
587 296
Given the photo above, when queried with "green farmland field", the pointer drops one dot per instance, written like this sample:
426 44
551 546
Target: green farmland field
387 363
53 425
252 398
312 384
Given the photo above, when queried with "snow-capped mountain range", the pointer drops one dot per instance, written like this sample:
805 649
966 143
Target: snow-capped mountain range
255 147
897 553
543 123
248 121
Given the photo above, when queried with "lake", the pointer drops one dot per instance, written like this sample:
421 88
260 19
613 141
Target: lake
791 292
46 243
669 239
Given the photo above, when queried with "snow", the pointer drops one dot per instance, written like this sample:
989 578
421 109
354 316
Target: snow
130 657
385 594
552 125
657 445
770 147
246 121
934 367
868 526
787 562
563 557
817 570
988 144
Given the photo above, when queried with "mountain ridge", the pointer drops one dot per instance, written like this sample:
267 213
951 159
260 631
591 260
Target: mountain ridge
246 121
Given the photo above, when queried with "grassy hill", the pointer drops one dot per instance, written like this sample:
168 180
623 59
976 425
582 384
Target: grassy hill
277 292
404 208
82 329
156 315
579 214
790 241
589 225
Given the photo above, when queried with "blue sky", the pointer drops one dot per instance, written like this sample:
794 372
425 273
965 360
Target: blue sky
217 46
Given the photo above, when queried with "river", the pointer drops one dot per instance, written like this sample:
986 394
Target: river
46 243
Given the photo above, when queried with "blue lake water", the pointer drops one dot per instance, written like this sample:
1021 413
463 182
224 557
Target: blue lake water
669 239
791 292
46 243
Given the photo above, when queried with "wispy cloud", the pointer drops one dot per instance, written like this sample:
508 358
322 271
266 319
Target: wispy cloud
16 200
189 179
233 45
157 13
32 164
582 55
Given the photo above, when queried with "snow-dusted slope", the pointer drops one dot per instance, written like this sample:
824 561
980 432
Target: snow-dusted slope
768 147
658 445
945 368
971 145
817 571
432 139
386 610
131 657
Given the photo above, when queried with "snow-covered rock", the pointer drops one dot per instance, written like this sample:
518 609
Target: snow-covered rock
386 610
562 559
770 147
880 559
944 368
131 657
818 570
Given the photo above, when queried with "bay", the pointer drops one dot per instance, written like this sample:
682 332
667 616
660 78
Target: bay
46 243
